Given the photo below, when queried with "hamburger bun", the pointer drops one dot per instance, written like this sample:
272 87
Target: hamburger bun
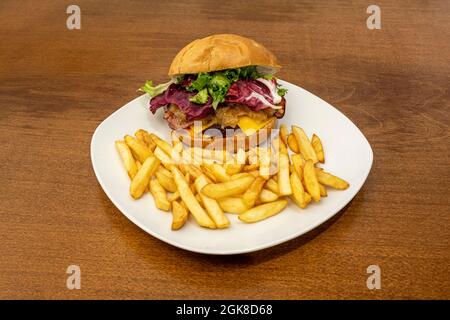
239 139
219 52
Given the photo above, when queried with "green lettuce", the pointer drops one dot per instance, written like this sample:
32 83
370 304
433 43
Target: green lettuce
201 97
155 90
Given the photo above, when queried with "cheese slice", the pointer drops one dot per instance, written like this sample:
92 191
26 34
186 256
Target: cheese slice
250 126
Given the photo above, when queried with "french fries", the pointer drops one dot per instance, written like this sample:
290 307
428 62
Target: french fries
166 181
138 148
127 158
267 196
142 177
299 196
227 189
284 185
254 185
251 195
292 143
159 195
179 215
311 182
263 211
331 181
211 205
232 205
306 149
318 149
191 202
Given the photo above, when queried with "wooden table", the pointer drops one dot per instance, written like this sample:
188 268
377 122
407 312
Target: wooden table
57 85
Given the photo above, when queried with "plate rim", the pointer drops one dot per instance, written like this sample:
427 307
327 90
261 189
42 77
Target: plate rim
231 251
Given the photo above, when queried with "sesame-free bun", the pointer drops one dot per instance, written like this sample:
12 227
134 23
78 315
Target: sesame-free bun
219 52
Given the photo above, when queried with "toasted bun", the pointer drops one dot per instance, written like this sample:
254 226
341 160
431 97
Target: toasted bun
219 52
239 139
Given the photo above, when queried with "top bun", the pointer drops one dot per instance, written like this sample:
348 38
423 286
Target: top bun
219 52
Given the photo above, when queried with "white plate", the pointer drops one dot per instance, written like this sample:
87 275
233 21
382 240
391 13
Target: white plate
347 154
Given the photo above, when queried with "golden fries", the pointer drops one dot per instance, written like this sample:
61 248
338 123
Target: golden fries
267 196
306 149
211 205
284 185
252 184
318 149
166 181
138 148
232 205
142 177
179 215
284 133
159 195
227 189
311 182
292 143
272 185
144 136
189 199
263 211
127 158
330 180
251 195
217 171
299 196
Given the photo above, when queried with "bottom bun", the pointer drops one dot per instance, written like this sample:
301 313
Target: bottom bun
238 141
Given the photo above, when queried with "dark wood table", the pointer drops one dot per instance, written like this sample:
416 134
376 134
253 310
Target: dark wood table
57 85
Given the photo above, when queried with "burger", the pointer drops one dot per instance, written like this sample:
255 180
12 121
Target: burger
224 82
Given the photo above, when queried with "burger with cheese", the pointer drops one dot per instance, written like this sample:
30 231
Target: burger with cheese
224 82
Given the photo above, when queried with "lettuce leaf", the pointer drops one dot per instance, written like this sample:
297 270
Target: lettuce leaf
153 91
201 97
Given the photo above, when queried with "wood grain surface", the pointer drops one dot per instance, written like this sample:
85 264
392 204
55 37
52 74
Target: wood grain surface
57 85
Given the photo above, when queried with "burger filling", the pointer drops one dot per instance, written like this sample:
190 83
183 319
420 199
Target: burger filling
225 99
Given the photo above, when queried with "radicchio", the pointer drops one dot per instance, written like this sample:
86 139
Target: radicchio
180 97
255 94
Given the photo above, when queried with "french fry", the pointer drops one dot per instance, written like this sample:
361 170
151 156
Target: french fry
254 173
179 215
279 146
127 158
144 136
138 165
251 167
299 196
166 182
163 157
211 205
264 162
142 177
240 175
217 171
208 173
251 195
306 149
192 169
227 189
232 205
173 196
272 185
164 171
162 144
323 190
292 143
267 196
189 199
284 185
310 179
330 180
284 133
138 148
298 163
318 148
199 199
233 168
263 211
159 195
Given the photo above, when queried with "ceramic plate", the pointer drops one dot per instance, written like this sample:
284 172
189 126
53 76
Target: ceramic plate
347 154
